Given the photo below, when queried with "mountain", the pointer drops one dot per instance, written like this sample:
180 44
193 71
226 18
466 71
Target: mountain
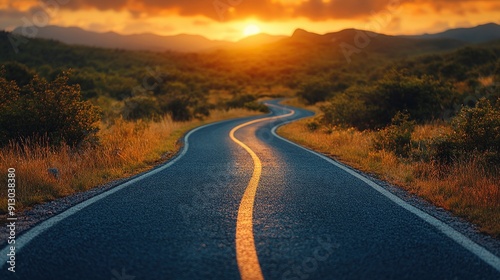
257 40
353 41
479 34
78 36
447 40
152 42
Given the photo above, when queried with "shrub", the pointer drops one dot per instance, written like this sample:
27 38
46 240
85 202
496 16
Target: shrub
396 137
443 150
239 101
314 91
313 125
178 107
15 71
53 111
140 107
422 97
202 111
350 109
373 107
256 106
247 101
477 130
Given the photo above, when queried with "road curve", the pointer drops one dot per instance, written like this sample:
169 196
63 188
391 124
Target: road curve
240 202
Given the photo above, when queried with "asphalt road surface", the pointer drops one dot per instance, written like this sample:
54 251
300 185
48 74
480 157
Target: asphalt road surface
240 203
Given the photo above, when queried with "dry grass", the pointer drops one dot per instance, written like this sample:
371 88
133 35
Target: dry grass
466 188
125 148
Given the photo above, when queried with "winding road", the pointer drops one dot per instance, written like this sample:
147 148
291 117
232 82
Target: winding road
239 202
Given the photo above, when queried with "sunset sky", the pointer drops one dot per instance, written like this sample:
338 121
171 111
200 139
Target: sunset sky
228 19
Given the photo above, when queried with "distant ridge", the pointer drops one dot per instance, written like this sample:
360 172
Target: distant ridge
78 36
148 41
258 39
196 43
478 34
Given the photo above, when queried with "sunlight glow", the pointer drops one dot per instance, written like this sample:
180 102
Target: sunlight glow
250 30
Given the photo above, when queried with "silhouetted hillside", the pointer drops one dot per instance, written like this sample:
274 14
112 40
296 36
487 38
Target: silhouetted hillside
78 36
152 42
479 34
365 40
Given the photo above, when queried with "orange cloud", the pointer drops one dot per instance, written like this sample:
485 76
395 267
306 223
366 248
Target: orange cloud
228 10
272 9
169 17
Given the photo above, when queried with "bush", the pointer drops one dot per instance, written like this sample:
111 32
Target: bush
41 110
178 107
313 125
373 107
422 97
239 101
397 137
477 130
256 106
247 101
202 111
15 71
140 107
443 150
314 91
350 109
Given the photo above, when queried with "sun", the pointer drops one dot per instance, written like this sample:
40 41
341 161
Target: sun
250 30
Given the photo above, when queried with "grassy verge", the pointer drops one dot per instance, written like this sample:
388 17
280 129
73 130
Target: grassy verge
466 188
126 148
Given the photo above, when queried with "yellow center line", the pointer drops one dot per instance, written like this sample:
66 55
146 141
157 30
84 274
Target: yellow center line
246 253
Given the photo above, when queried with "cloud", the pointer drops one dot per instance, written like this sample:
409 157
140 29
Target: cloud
338 9
199 22
315 10
99 4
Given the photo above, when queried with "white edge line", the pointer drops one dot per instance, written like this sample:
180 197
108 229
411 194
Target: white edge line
471 246
32 233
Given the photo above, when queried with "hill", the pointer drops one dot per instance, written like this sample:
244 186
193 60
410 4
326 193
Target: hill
360 39
78 36
151 42
479 34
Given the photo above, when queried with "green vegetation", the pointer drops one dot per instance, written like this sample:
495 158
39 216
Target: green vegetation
43 111
477 131
397 136
115 113
422 114
430 124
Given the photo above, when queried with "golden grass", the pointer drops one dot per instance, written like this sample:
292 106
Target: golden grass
465 188
126 148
